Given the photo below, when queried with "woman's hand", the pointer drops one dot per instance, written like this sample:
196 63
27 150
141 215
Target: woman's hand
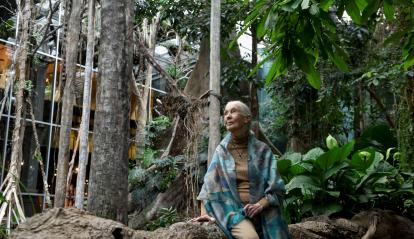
203 218
253 209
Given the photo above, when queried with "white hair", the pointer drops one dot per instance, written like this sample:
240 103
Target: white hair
244 109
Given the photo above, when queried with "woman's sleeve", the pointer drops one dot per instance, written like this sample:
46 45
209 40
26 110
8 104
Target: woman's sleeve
275 186
209 179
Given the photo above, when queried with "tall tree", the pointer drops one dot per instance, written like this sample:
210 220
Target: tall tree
10 186
214 109
72 39
108 188
86 108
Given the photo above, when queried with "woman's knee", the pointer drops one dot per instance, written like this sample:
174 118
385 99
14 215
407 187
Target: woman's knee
244 230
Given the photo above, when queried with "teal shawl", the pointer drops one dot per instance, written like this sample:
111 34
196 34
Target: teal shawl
222 201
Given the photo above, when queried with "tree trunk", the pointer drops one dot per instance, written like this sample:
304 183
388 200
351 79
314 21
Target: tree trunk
72 40
148 34
198 83
10 186
254 101
214 108
108 188
86 108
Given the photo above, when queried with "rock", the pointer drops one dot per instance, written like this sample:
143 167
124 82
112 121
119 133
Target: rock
327 229
72 223
59 223
384 224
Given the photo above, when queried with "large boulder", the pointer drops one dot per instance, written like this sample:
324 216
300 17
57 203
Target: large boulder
59 223
73 223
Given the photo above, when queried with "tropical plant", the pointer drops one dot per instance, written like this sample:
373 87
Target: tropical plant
339 180
303 31
167 217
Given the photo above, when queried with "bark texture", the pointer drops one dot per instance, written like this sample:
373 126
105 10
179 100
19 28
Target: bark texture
72 39
86 108
214 109
108 188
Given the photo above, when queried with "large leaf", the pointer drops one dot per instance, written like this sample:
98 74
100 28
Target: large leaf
353 11
362 159
283 166
325 4
389 9
299 168
362 4
261 27
305 183
395 37
379 136
327 160
313 154
292 156
335 169
306 63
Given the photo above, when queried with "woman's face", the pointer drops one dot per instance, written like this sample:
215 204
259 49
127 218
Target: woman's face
233 119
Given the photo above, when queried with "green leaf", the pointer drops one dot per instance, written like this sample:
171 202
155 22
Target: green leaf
362 4
395 37
313 154
353 11
305 183
334 170
409 59
292 156
347 149
371 9
387 155
298 169
283 166
305 4
362 159
338 58
327 160
304 62
325 4
331 142
334 193
261 27
314 9
389 10
272 72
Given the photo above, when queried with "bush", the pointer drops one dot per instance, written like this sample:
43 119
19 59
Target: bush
342 181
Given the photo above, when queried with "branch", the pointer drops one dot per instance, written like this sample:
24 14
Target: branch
374 95
52 10
171 82
168 149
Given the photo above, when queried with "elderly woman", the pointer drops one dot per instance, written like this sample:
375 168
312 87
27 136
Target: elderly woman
242 190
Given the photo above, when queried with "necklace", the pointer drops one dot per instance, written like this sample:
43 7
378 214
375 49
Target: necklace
238 148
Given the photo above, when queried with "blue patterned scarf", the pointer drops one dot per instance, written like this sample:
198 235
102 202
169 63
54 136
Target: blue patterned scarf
222 201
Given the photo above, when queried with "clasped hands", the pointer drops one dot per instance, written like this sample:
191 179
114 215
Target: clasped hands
251 210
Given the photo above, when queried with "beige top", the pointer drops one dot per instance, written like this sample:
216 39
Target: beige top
240 155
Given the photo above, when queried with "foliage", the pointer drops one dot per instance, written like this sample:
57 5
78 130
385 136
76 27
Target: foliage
168 216
341 181
155 127
156 175
300 31
189 19
6 29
